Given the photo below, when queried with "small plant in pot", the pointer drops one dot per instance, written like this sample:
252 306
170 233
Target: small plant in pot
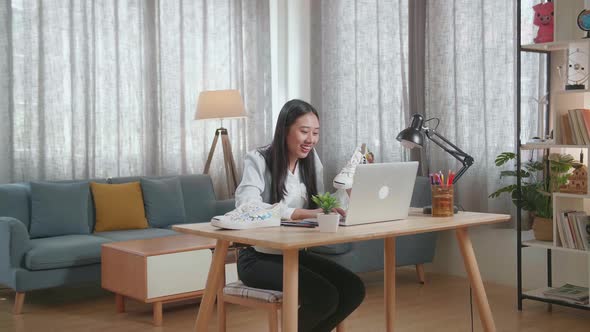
535 193
327 220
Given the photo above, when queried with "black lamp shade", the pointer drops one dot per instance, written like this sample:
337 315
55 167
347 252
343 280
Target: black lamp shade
412 136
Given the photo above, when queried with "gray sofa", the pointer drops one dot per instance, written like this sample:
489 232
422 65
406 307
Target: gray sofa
368 256
28 264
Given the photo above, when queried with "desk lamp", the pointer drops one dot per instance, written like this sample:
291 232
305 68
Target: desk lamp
413 137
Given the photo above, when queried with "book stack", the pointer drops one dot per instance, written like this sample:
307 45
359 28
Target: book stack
568 293
571 230
575 127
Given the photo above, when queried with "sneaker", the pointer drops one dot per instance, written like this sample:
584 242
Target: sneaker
250 215
344 179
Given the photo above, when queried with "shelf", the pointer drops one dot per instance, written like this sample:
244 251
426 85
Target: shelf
568 195
549 245
537 146
554 46
537 294
569 92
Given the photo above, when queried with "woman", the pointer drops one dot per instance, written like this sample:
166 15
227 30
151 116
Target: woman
289 171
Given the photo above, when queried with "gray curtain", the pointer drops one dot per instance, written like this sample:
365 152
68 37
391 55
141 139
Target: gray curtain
109 88
470 75
359 78
416 63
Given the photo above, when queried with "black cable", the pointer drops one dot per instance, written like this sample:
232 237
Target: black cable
471 307
437 122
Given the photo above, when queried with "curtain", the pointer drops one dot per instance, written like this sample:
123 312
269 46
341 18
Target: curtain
109 88
359 78
469 86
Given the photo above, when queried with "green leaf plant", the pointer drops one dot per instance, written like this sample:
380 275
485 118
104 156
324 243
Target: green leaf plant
535 193
326 202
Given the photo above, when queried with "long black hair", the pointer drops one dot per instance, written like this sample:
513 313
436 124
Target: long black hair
276 154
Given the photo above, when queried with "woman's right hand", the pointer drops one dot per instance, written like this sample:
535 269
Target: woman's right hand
300 214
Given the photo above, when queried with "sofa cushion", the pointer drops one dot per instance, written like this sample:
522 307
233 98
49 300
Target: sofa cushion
14 202
163 202
64 251
136 234
118 206
199 198
332 249
59 209
91 213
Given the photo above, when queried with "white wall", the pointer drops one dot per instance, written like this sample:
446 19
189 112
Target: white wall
495 247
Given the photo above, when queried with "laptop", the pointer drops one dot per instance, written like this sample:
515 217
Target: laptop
381 192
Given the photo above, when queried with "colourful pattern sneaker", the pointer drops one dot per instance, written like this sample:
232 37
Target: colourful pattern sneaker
250 215
344 179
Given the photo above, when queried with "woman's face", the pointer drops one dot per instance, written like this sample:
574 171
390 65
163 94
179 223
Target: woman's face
303 136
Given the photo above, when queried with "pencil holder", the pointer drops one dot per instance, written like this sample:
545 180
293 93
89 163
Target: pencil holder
442 201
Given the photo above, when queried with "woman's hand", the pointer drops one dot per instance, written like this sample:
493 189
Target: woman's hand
300 214
340 211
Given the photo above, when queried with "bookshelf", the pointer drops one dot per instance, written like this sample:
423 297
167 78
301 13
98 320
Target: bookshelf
567 37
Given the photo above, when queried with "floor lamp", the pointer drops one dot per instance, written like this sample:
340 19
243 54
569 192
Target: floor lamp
221 104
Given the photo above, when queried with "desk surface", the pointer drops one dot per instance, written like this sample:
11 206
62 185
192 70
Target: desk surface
299 237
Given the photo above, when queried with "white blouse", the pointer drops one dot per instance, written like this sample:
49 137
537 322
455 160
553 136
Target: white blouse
255 186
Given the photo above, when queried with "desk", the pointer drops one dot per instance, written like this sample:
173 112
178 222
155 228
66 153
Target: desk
291 239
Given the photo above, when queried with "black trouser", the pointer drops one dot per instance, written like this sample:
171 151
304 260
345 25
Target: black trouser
328 292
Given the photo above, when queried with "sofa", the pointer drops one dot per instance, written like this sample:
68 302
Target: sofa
28 264
367 256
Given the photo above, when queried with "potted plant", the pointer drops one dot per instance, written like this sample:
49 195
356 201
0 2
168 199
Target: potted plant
327 220
536 189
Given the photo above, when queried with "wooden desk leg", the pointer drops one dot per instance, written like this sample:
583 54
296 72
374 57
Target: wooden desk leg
221 314
157 308
120 303
485 313
389 275
216 270
290 289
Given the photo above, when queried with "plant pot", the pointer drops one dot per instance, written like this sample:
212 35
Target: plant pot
328 222
543 229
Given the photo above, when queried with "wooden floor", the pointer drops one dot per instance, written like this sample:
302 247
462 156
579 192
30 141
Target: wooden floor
440 305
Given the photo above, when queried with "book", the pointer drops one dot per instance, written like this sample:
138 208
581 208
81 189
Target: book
576 229
572 230
560 231
566 130
564 230
568 292
586 119
577 134
582 221
582 125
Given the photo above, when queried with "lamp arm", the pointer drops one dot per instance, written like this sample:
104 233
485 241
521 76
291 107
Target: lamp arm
465 159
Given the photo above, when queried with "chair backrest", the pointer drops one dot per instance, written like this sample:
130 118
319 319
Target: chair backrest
422 192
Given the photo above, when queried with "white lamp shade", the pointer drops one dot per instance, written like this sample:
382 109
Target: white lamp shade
217 104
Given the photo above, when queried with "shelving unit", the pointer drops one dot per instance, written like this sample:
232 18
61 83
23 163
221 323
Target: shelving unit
567 36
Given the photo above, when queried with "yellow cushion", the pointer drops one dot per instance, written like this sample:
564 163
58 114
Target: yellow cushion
118 206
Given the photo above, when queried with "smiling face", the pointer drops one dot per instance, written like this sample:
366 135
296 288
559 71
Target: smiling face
303 135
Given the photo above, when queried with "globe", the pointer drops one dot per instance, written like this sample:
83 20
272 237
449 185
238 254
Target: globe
584 21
